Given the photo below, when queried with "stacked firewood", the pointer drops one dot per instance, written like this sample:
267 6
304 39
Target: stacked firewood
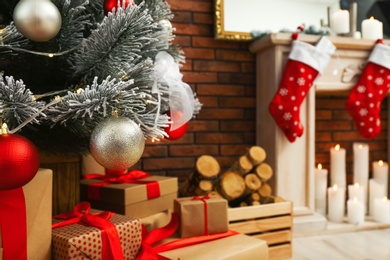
245 183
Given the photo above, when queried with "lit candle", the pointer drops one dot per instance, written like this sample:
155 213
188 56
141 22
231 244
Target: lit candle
381 173
355 211
361 167
372 29
337 166
339 21
356 191
336 199
321 182
382 210
376 191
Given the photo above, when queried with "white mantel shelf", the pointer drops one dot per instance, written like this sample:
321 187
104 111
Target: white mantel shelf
294 163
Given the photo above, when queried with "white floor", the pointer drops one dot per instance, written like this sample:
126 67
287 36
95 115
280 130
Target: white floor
360 245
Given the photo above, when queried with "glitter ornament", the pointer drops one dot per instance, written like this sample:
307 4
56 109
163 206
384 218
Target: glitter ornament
37 20
110 4
19 161
117 143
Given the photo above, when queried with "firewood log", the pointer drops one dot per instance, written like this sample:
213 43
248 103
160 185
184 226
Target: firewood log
256 155
264 171
242 166
231 185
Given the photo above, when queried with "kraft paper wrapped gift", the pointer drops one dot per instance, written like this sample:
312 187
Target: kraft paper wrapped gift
202 216
79 241
131 199
234 247
38 198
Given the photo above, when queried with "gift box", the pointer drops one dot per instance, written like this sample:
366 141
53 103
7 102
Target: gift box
157 220
201 215
83 241
38 201
228 248
133 198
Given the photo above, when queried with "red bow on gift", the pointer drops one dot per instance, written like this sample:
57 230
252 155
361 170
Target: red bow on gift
134 176
111 246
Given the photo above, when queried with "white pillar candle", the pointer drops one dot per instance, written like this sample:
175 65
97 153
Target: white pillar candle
381 173
336 202
355 211
339 21
356 191
361 166
321 182
337 166
382 210
372 29
376 191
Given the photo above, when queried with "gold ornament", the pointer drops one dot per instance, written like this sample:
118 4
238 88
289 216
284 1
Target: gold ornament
117 143
37 20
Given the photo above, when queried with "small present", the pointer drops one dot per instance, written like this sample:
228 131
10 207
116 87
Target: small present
134 194
233 247
86 234
34 224
201 215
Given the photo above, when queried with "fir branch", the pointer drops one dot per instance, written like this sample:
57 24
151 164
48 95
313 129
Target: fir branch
17 103
115 45
11 37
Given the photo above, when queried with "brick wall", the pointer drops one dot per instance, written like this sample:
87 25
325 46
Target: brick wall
222 73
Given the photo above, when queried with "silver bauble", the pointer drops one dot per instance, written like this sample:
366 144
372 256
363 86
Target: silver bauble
165 24
37 20
117 143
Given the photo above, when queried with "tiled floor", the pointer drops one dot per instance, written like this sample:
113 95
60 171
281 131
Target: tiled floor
360 245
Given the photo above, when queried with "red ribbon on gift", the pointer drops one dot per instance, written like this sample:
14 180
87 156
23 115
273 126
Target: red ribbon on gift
134 176
13 224
111 245
151 253
205 212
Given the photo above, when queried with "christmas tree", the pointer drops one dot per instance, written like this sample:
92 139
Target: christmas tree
67 65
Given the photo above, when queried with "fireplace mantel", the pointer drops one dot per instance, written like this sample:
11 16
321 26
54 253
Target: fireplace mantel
294 163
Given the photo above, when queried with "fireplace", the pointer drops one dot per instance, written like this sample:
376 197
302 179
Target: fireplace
294 163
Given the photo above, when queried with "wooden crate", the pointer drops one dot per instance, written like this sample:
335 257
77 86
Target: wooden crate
269 222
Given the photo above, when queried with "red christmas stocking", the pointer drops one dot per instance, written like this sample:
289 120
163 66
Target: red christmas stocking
304 64
364 101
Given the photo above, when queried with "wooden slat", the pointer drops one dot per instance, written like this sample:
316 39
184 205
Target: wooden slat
276 237
280 252
260 211
262 225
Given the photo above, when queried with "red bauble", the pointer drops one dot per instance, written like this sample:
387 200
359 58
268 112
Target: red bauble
110 4
178 132
19 161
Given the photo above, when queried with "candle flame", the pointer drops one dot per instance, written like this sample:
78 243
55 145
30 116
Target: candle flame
4 129
355 200
337 147
319 167
356 185
372 18
380 163
360 146
334 187
384 198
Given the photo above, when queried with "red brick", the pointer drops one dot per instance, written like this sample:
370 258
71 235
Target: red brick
248 67
181 174
203 126
323 136
199 77
250 114
182 17
193 29
212 113
193 150
208 101
333 125
203 18
199 53
187 66
155 151
250 90
237 150
220 90
235 55
323 114
168 163
219 138
237 102
192 6
233 78
330 103
217 66
209 42
187 138
235 125
182 41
